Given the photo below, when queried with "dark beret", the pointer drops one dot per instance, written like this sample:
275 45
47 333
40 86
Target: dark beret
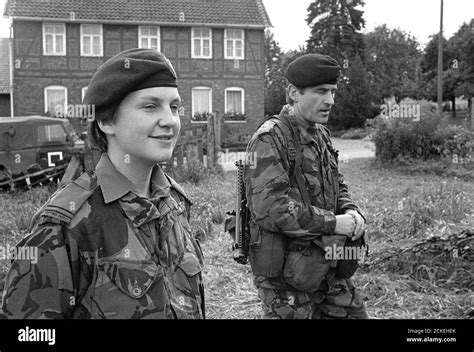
127 72
313 70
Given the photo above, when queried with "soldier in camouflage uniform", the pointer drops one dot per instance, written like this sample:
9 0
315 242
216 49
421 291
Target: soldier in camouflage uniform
281 218
116 242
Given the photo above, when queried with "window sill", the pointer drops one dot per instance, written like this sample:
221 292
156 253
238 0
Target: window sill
237 122
54 55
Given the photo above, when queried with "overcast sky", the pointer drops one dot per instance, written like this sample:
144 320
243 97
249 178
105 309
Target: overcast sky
421 18
418 17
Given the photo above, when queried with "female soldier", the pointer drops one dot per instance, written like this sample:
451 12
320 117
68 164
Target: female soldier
116 242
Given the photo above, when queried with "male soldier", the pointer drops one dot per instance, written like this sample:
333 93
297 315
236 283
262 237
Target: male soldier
300 205
116 243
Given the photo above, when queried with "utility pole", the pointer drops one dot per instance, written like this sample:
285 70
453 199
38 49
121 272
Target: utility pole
440 62
12 69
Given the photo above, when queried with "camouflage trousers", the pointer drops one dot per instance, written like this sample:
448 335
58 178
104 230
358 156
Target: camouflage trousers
342 301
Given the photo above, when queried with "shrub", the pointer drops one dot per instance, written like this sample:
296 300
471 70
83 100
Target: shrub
430 138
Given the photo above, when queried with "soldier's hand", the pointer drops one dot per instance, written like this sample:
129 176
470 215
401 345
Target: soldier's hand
345 225
359 224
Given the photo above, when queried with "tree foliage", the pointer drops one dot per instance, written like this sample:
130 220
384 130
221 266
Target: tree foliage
275 96
393 63
353 103
276 63
462 48
458 65
335 28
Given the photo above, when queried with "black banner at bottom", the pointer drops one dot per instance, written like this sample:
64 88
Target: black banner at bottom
405 335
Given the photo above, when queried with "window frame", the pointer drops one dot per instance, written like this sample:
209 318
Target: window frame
63 35
201 88
193 37
101 54
46 99
235 89
149 37
234 56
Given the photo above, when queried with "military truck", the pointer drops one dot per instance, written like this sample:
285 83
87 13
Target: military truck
36 145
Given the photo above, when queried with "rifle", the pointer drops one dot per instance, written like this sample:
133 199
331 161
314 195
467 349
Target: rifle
241 217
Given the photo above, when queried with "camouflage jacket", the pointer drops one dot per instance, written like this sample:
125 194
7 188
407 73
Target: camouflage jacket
106 253
275 205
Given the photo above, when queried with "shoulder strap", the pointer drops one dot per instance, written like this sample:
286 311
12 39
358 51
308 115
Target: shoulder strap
295 156
66 202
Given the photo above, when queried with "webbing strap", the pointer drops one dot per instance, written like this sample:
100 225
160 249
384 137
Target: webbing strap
296 157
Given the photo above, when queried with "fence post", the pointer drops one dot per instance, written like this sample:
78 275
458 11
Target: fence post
180 156
217 131
211 157
200 152
471 111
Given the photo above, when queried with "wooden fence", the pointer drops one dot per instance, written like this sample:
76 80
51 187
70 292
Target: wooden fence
201 141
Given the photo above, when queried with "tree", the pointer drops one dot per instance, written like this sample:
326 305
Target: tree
335 28
275 94
276 63
393 63
462 48
458 65
353 103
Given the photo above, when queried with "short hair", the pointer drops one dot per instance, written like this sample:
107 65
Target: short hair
96 136
288 98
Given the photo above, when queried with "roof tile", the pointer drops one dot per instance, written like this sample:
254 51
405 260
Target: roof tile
245 13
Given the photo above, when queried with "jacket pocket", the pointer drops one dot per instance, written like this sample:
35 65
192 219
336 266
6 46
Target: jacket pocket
130 289
187 296
306 266
267 252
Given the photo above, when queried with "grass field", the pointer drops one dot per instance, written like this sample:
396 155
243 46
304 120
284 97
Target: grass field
402 209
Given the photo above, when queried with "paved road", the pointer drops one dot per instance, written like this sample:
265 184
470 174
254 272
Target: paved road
348 149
